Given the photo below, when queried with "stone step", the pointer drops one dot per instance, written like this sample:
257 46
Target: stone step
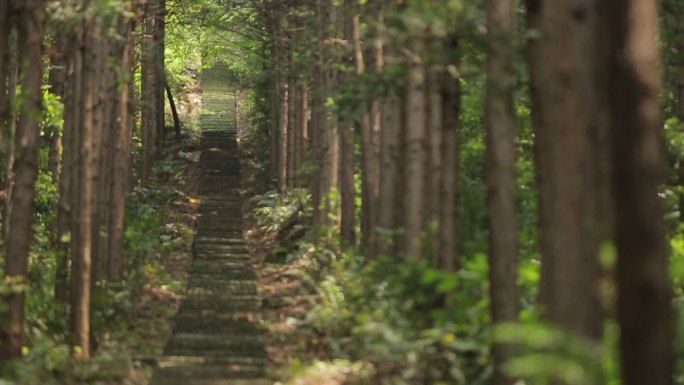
238 345
214 281
217 338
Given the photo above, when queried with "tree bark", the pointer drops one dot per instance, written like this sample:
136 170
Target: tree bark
348 126
31 24
680 96
10 133
566 67
174 111
82 205
500 122
370 135
434 174
291 125
415 159
121 163
451 109
644 305
330 134
283 117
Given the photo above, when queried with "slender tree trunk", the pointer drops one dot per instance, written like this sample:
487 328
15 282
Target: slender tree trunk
68 182
291 124
6 22
121 163
370 138
680 96
149 113
317 120
82 207
301 128
451 110
389 170
348 126
10 133
96 54
174 111
501 173
31 24
415 151
434 175
159 35
329 140
644 294
283 116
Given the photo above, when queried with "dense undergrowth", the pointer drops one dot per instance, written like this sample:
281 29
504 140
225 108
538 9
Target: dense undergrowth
336 317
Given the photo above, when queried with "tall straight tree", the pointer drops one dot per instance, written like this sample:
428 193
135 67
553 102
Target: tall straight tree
679 15
350 15
370 131
451 109
416 126
564 72
31 24
644 296
328 126
501 162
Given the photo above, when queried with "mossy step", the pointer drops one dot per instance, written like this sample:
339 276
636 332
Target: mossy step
223 257
186 381
225 274
241 345
218 281
212 371
222 305
208 242
200 264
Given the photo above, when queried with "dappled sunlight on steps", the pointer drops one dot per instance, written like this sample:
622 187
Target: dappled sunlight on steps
217 338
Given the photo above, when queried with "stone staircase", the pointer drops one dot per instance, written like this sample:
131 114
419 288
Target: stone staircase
217 339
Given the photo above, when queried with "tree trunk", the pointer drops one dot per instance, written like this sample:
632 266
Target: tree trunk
283 117
500 122
566 67
680 96
10 133
451 110
6 22
82 207
389 170
149 114
348 126
291 125
415 159
302 128
159 36
121 164
31 23
434 175
174 111
329 133
370 136
644 295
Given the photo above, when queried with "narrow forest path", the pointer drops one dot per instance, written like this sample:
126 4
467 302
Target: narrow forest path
217 339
